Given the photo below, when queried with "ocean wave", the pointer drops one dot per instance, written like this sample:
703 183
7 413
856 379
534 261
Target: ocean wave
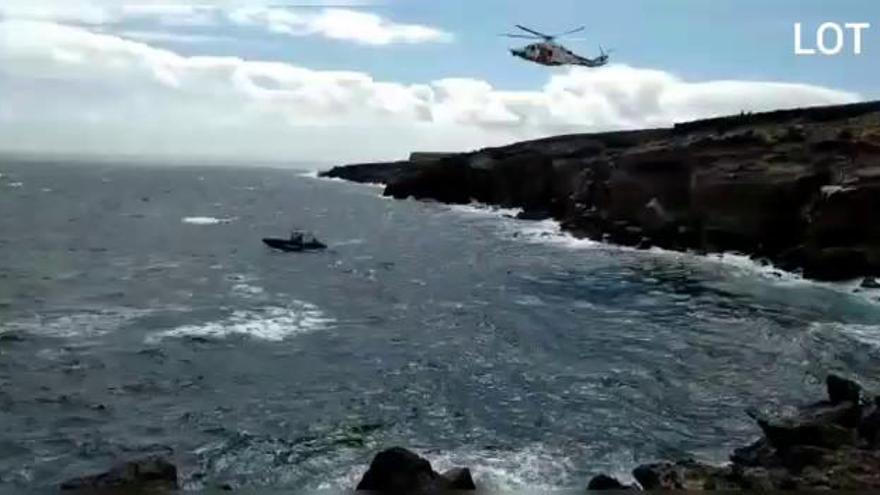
15 184
866 334
534 467
550 232
315 174
270 323
483 210
206 220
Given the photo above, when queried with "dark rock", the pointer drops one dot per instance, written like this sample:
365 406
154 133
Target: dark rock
683 475
842 390
535 214
836 264
870 283
820 431
374 173
799 457
459 479
149 475
398 470
869 426
760 453
605 482
645 243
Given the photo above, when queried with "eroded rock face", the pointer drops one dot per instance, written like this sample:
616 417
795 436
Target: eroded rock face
149 475
400 471
800 188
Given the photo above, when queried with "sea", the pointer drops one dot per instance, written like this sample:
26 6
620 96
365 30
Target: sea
141 314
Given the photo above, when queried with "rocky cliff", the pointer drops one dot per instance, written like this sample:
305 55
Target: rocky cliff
800 188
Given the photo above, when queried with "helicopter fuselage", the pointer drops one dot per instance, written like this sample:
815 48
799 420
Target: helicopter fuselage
553 54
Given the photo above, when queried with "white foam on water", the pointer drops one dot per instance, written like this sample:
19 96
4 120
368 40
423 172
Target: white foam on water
248 290
314 174
350 242
15 184
533 467
206 220
862 333
494 471
270 323
483 210
82 324
549 232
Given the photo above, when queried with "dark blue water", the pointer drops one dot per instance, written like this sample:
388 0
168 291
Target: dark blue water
140 313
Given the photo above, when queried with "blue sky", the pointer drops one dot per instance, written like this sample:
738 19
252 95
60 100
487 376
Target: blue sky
697 39
235 79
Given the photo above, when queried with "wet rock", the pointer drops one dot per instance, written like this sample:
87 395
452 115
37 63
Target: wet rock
605 482
398 470
823 431
842 390
798 457
760 453
149 475
459 479
870 283
533 214
683 475
869 426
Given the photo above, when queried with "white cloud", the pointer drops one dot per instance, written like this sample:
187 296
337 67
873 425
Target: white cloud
67 89
340 24
307 19
160 35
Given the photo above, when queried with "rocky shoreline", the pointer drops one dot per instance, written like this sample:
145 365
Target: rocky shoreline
831 444
798 188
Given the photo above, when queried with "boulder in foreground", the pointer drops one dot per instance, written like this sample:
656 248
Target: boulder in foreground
400 471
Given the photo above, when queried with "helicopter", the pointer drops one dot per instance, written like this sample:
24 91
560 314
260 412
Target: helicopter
548 52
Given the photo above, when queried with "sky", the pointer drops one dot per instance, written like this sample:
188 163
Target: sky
358 80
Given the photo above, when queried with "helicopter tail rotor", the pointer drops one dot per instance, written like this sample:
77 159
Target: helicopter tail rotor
604 52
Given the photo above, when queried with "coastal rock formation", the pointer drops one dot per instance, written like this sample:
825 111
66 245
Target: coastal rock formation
800 188
398 470
149 475
830 444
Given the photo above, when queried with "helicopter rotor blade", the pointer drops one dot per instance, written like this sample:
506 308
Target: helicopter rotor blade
570 32
536 33
524 36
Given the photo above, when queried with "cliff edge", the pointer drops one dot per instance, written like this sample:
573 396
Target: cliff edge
800 188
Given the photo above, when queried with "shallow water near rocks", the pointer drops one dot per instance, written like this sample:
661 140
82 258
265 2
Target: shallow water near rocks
140 313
